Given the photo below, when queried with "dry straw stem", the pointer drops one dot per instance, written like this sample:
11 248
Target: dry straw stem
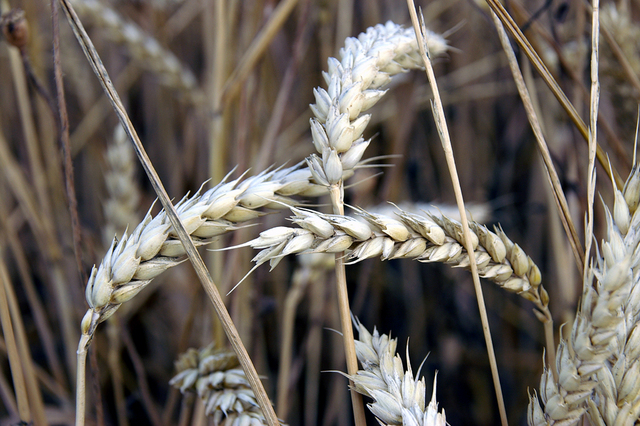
311 269
552 175
443 133
256 50
399 397
214 375
15 364
522 41
90 320
27 366
573 67
47 243
145 49
598 367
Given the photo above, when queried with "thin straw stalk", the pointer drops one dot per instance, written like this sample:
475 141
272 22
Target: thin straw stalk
193 254
33 390
15 363
552 175
513 28
336 193
443 132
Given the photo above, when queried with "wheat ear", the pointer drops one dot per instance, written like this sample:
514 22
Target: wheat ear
143 48
399 397
121 206
355 83
216 377
598 366
152 247
430 238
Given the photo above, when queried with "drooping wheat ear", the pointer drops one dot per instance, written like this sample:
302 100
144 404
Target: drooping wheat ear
430 238
216 377
355 84
399 397
143 48
121 207
598 368
133 261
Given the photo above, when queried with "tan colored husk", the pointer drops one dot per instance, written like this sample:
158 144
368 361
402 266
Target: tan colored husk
430 238
598 367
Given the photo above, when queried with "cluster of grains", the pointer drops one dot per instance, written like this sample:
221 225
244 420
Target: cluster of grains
626 33
143 48
430 238
121 207
399 398
133 261
216 377
354 85
598 368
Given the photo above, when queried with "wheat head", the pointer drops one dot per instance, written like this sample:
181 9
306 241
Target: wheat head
399 397
598 366
216 377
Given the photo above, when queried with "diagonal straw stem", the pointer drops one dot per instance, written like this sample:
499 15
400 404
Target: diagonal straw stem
192 253
438 113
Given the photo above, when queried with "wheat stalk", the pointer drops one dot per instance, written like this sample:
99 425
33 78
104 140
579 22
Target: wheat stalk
598 365
216 377
146 50
399 397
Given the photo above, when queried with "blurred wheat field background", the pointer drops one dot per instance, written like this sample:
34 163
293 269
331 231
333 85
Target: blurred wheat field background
209 90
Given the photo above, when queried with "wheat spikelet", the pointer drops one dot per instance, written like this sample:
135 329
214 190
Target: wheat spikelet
144 48
431 238
598 367
133 261
355 84
399 398
216 377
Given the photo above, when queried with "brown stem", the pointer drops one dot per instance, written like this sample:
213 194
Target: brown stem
63 122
